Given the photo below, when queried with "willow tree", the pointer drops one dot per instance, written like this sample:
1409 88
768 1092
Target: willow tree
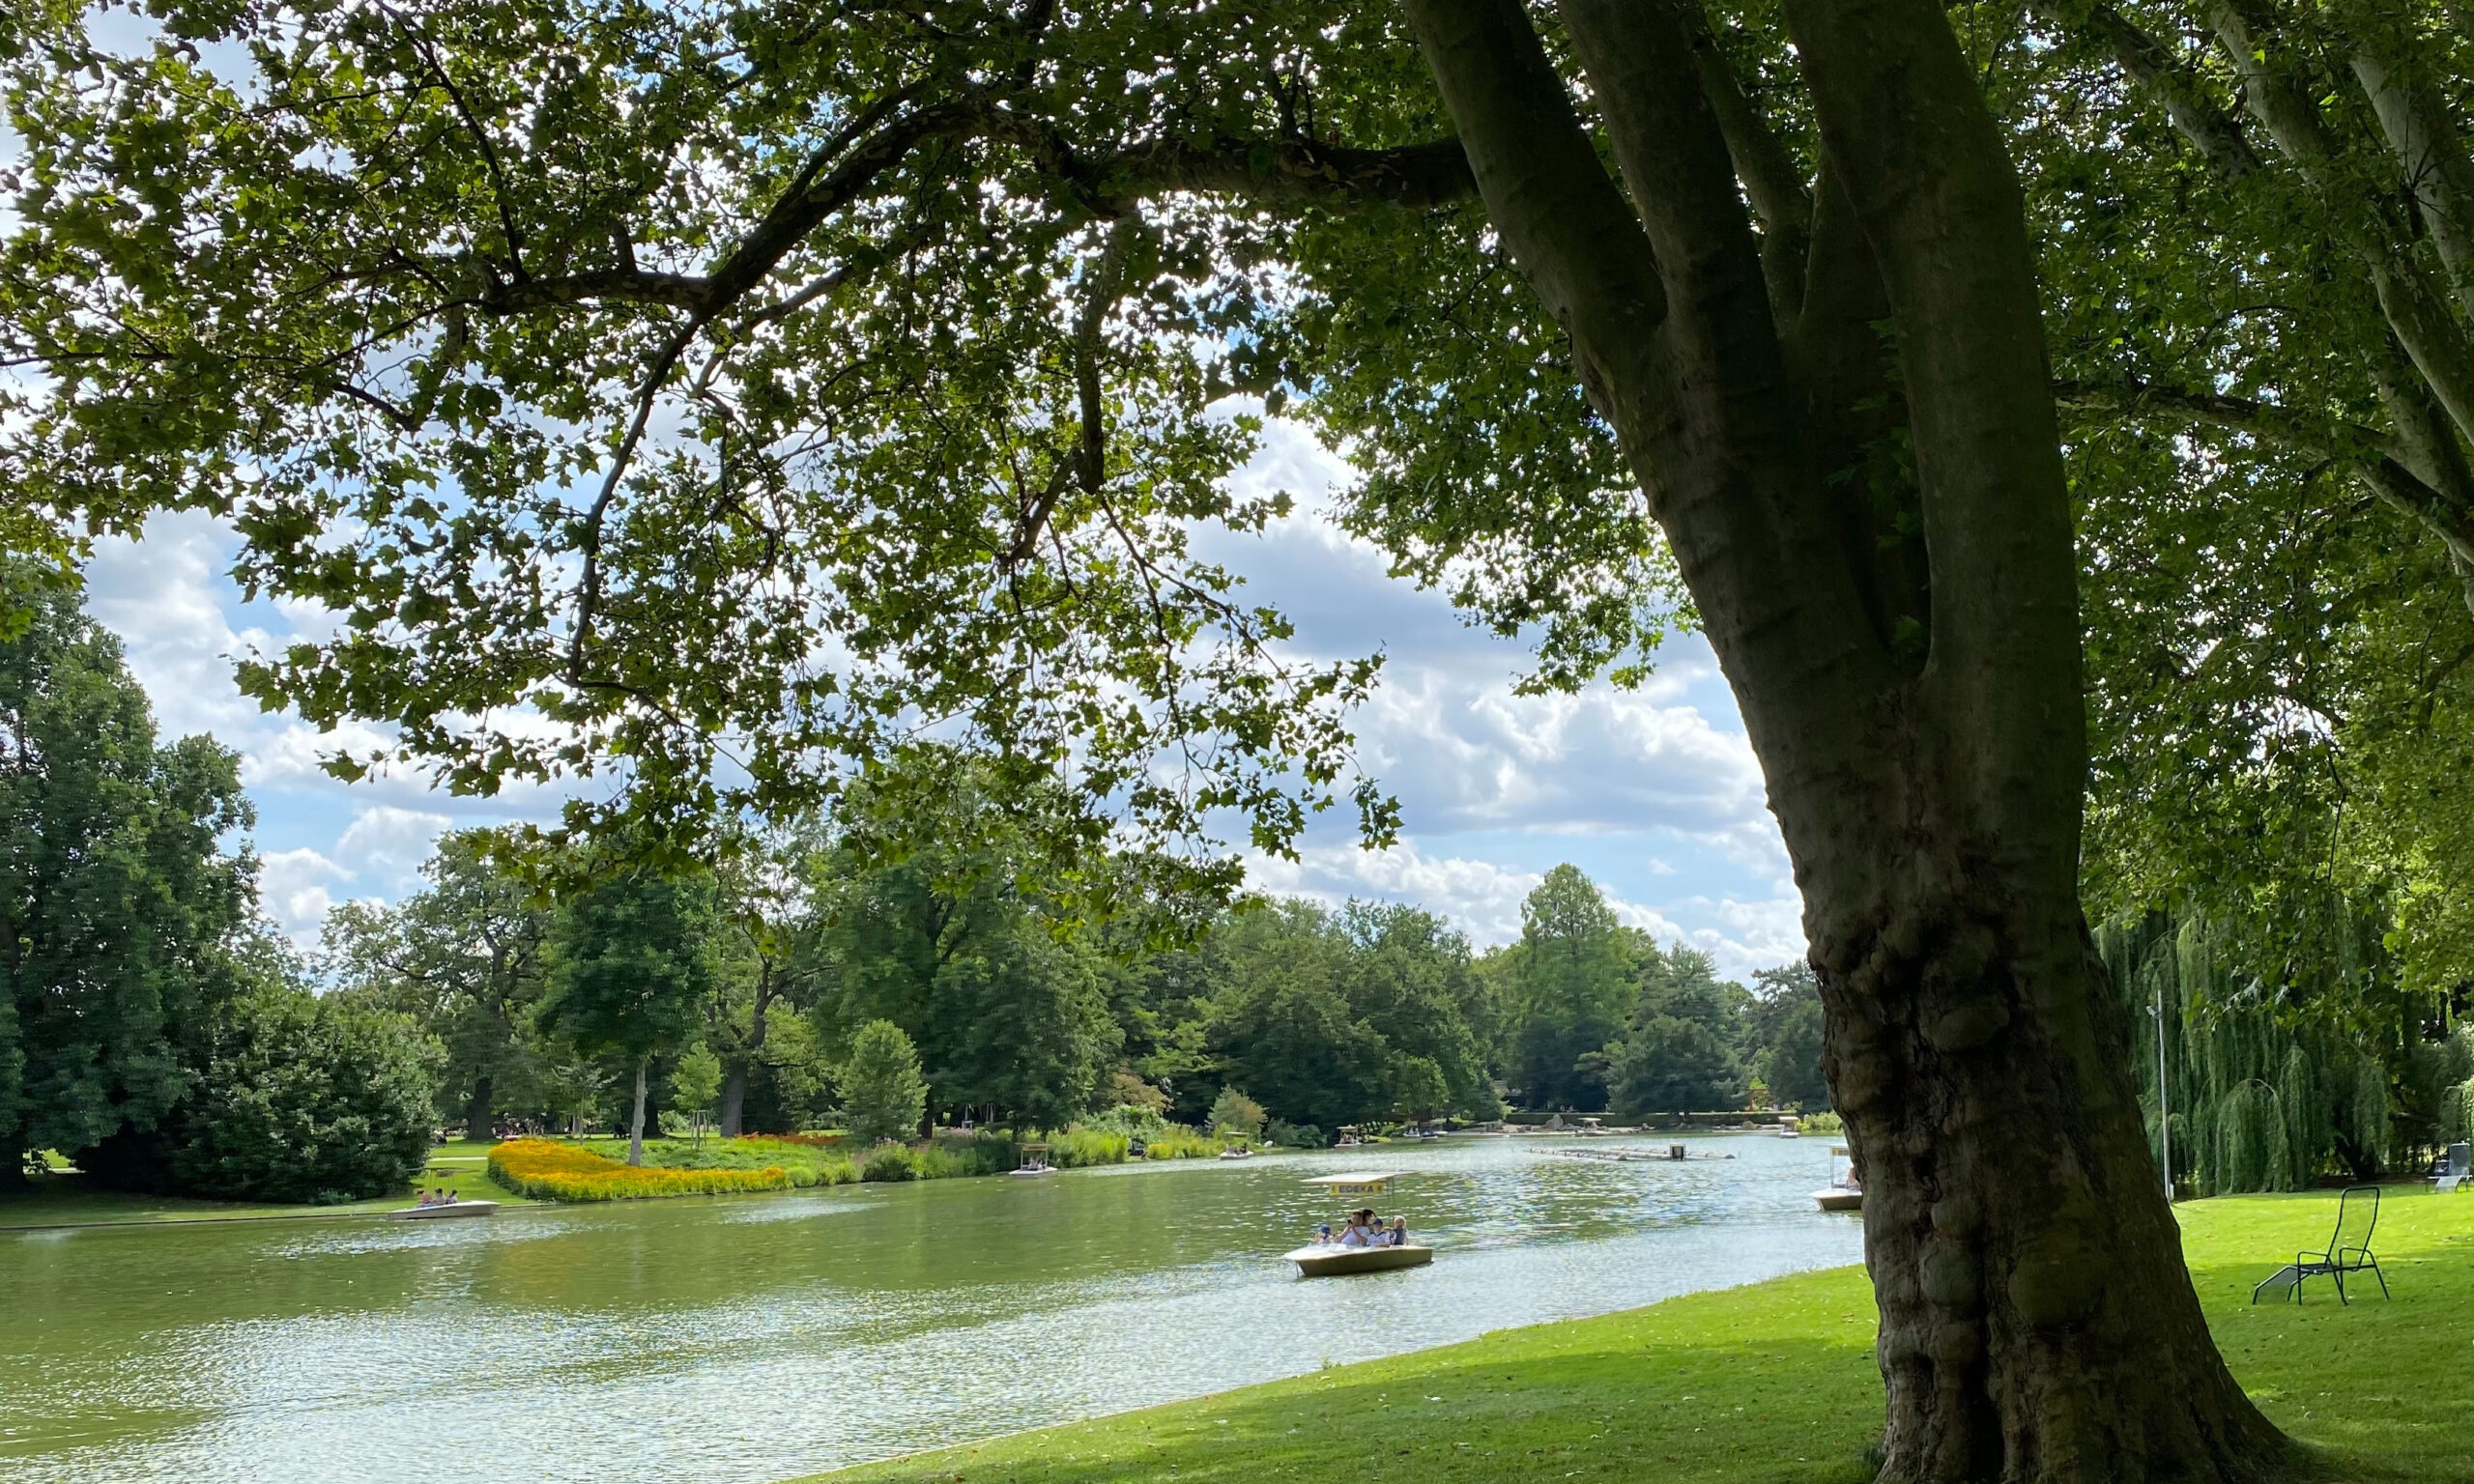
779 382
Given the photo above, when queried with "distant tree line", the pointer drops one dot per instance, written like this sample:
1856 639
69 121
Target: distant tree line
923 943
775 964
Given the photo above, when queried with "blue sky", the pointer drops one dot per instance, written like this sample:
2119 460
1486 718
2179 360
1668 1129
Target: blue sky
1654 793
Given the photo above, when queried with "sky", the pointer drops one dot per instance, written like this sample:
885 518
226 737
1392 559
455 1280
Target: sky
1654 791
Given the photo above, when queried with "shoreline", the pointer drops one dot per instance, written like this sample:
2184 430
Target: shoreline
1772 1380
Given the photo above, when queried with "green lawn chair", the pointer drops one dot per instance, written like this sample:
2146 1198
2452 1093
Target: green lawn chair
2348 1249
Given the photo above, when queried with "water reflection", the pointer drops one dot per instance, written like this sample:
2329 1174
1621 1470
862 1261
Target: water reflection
743 1340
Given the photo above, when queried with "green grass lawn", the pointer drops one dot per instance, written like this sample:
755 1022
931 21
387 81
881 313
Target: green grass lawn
1775 1384
63 1199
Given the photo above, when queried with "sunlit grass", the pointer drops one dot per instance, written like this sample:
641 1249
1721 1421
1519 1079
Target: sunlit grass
1775 1384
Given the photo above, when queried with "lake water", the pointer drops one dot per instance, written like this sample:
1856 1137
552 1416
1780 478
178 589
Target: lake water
746 1339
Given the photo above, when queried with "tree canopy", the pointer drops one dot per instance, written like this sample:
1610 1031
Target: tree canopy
120 913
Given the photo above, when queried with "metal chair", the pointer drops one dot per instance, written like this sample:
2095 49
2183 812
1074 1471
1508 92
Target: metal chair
2456 1166
2348 1249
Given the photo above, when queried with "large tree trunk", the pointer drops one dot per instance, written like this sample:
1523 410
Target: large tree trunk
1916 703
2036 1320
636 1121
735 1081
476 1109
734 1098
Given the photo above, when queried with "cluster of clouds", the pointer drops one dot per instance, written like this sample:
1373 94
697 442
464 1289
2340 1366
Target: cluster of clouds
1654 791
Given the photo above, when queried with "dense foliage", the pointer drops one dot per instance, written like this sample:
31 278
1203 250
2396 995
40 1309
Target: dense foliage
296 1099
630 970
2274 1084
883 1096
465 955
119 913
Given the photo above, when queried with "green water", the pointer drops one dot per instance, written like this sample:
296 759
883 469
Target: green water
737 1340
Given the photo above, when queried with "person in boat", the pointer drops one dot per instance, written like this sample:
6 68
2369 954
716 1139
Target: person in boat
1323 1234
1360 1232
1399 1234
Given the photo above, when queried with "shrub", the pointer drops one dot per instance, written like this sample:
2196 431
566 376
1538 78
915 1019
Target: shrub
890 1162
299 1099
550 1171
1124 1089
1077 1148
1134 1122
1181 1143
1821 1123
831 1139
1233 1109
1294 1135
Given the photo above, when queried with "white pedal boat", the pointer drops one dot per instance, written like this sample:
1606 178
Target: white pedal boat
1332 1261
441 1212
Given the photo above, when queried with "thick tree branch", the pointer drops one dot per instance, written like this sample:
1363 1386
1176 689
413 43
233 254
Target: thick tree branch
1771 179
2438 175
1562 218
2384 463
1904 127
2157 67
2415 310
1290 172
1088 463
1287 172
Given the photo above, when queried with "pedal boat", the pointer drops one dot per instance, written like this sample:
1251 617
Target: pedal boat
445 1209
1332 1261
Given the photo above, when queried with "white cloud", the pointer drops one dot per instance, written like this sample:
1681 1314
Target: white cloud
291 887
386 846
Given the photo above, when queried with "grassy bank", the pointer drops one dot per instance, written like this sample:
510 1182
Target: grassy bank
63 1198
1775 1382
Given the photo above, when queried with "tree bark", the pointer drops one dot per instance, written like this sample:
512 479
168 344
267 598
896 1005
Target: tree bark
2036 1320
476 1109
734 1080
636 1121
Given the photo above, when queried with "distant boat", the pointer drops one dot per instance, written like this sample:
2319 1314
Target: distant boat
1842 1194
1790 1131
1241 1151
1332 1261
445 1209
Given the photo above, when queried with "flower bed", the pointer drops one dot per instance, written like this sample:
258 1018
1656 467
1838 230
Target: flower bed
550 1171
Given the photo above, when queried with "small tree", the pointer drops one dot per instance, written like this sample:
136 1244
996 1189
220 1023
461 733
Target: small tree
1233 1109
696 1085
630 968
882 1092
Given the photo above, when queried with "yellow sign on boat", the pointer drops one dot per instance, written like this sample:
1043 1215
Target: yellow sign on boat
1357 1182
